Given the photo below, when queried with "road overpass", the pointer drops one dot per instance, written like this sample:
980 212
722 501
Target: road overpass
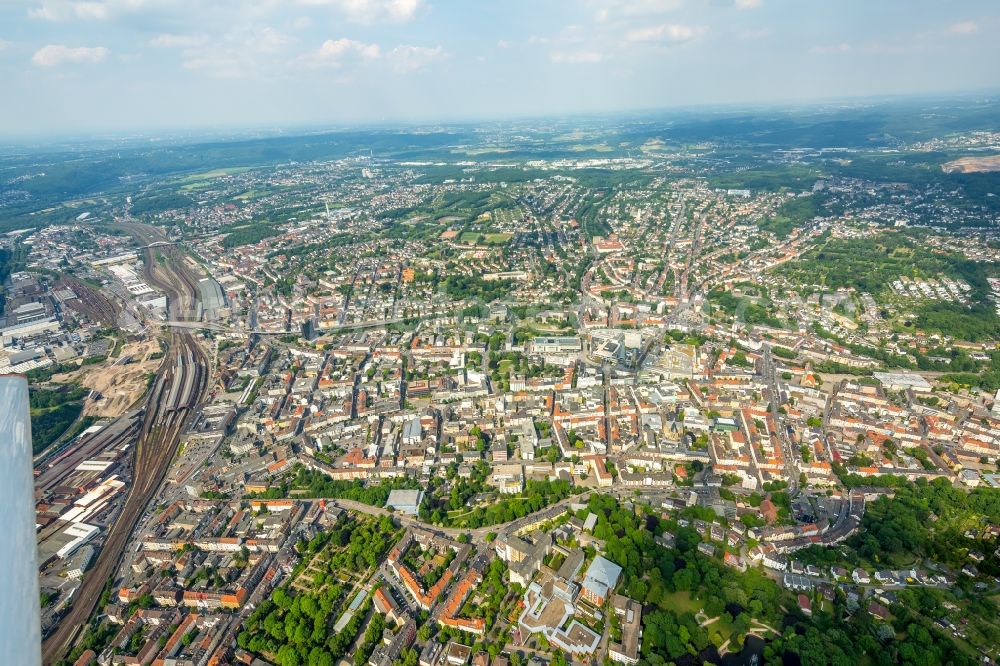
220 328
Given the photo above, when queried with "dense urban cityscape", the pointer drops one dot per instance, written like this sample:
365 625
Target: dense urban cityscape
449 333
443 406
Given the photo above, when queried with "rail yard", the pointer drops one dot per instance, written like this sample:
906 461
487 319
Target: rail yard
175 393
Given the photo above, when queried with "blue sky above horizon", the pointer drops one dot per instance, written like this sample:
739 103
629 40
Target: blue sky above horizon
104 65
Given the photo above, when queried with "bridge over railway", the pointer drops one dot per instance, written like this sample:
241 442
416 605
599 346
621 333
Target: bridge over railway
221 328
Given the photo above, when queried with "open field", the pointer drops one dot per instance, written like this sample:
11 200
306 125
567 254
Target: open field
214 173
486 150
497 239
981 164
587 147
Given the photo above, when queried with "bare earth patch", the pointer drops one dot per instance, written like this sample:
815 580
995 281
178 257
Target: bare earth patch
973 164
119 385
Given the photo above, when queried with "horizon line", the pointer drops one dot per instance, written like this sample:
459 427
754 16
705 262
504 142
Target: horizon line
199 133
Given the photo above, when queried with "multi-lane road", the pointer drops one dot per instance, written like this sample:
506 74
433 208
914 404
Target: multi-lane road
770 373
476 535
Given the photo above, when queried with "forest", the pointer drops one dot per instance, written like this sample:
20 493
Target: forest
988 379
872 264
11 260
474 287
748 311
250 234
792 214
921 521
676 584
292 627
317 485
452 510
52 412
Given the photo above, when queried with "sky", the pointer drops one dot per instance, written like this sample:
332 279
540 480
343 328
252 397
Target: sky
99 66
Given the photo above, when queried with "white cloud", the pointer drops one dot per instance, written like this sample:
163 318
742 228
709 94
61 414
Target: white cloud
504 44
568 35
748 4
411 58
4 45
57 54
843 47
52 11
963 28
374 11
93 10
576 57
246 51
217 64
335 51
269 40
171 41
605 10
673 32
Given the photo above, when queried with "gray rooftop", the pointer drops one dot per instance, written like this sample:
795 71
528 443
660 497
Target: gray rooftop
603 571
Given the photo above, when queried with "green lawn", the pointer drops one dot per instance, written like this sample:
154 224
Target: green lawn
497 239
681 602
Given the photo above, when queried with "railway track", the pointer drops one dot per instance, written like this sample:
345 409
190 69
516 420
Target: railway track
54 470
175 395
159 436
93 303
